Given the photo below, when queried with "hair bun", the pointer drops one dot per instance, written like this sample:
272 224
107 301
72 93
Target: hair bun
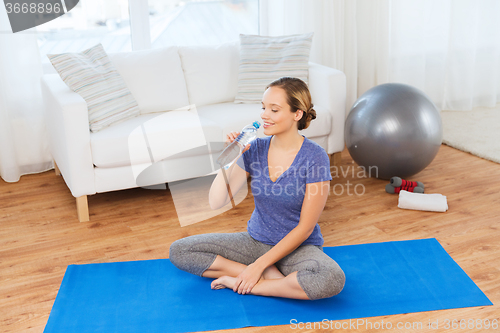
311 114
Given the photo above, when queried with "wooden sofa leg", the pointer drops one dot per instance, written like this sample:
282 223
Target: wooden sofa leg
336 159
58 172
82 208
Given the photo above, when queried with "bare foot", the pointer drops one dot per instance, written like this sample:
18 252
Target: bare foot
223 282
271 273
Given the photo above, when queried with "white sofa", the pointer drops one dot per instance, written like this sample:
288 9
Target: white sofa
186 96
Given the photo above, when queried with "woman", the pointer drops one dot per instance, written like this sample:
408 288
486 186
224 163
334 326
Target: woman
281 253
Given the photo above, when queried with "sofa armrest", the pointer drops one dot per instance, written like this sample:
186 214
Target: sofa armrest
67 124
328 89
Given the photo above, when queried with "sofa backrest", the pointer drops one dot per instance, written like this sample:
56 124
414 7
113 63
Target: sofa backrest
174 77
211 72
154 77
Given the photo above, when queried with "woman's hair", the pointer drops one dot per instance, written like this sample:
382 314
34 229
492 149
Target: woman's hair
298 97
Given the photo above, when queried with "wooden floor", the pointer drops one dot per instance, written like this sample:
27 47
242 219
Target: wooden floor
40 234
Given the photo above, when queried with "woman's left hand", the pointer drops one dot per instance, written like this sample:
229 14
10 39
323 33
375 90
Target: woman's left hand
248 279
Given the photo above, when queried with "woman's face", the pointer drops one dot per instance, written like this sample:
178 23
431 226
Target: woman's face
276 114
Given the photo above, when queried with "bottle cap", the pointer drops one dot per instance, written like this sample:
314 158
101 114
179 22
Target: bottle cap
256 124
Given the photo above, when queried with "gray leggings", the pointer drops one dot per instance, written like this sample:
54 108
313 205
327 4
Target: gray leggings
318 274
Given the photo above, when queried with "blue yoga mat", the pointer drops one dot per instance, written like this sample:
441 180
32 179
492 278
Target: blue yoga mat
154 296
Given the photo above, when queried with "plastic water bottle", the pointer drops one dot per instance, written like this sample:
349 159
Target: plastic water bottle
233 151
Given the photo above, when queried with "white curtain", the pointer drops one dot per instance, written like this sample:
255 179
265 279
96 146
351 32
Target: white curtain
23 138
450 49
334 26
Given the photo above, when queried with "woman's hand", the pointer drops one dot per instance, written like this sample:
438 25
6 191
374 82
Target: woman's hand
248 279
230 137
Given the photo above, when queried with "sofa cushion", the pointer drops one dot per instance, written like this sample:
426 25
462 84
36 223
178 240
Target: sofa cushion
154 77
233 117
92 75
264 59
167 134
211 72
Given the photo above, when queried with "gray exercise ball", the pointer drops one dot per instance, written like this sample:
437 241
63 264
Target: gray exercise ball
393 130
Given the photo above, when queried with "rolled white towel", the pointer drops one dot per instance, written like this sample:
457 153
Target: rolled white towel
420 201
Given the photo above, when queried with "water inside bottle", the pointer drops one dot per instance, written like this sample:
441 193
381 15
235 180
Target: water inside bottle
231 152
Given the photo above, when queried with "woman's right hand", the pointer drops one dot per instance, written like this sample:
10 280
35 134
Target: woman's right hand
231 136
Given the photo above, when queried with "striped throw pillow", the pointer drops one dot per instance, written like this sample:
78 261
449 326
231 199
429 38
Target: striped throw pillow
91 75
264 59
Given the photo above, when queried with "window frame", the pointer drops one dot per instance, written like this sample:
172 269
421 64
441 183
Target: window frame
140 31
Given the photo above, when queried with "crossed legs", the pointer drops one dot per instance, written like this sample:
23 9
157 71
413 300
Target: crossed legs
306 273
272 282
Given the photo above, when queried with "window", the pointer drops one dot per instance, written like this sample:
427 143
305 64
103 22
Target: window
201 22
89 23
170 22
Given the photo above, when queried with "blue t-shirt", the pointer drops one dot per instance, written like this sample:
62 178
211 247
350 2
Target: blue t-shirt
278 204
